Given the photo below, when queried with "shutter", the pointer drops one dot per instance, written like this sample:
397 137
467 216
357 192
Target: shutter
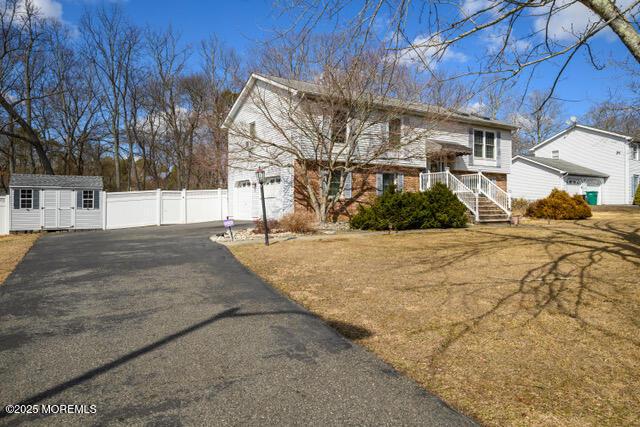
498 150
400 179
79 199
378 184
471 146
96 199
36 198
16 198
347 186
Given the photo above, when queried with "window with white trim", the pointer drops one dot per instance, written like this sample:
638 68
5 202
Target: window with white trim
26 198
635 154
484 144
87 199
272 180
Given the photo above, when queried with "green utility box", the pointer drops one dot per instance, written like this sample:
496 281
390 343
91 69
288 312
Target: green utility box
592 197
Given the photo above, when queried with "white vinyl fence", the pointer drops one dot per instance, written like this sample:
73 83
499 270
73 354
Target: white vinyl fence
4 215
157 207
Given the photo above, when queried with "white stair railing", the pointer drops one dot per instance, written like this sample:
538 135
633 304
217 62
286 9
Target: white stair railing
480 184
457 187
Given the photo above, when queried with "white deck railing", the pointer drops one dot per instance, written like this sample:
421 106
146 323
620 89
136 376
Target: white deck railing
480 184
457 187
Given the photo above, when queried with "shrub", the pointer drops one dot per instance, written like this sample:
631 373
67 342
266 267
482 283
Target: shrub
560 205
519 206
636 199
298 222
436 208
273 224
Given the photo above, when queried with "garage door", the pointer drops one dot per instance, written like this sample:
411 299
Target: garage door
242 198
273 196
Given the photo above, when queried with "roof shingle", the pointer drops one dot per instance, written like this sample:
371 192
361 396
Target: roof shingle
56 181
568 167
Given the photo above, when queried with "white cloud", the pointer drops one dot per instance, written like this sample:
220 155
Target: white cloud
469 7
570 19
494 41
477 107
47 8
430 51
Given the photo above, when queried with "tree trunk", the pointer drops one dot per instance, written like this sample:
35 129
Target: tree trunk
608 11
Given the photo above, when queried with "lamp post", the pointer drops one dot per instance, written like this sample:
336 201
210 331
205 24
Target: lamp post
260 174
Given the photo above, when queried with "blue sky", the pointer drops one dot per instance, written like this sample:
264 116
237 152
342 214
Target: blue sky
240 23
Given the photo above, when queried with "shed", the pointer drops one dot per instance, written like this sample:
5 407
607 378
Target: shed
534 177
55 202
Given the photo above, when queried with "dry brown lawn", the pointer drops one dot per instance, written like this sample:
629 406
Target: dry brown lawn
530 325
12 249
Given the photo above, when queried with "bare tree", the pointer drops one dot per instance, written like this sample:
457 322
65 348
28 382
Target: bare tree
224 77
517 36
22 66
347 120
538 120
110 42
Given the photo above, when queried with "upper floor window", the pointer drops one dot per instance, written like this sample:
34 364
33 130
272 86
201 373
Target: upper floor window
395 132
252 129
339 127
26 198
555 154
484 144
635 155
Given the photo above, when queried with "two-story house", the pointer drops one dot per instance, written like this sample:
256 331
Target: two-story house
602 166
469 153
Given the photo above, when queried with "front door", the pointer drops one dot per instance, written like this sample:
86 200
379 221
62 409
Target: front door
58 209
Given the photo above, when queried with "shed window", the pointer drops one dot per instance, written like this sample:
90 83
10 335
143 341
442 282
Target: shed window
87 199
26 198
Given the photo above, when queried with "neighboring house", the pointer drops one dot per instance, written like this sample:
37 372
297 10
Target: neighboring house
603 166
55 202
466 145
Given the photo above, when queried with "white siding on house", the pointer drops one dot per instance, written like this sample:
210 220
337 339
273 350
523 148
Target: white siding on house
531 181
597 151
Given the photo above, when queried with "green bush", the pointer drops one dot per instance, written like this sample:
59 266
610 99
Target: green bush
436 208
560 205
636 199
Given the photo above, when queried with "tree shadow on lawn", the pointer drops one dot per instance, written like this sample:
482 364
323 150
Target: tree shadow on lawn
560 285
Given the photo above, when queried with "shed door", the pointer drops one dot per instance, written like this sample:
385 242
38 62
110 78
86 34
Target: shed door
58 208
50 208
65 208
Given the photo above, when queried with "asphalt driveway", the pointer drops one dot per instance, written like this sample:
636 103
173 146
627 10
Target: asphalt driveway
161 326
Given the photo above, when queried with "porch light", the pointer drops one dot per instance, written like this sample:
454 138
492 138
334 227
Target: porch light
260 174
